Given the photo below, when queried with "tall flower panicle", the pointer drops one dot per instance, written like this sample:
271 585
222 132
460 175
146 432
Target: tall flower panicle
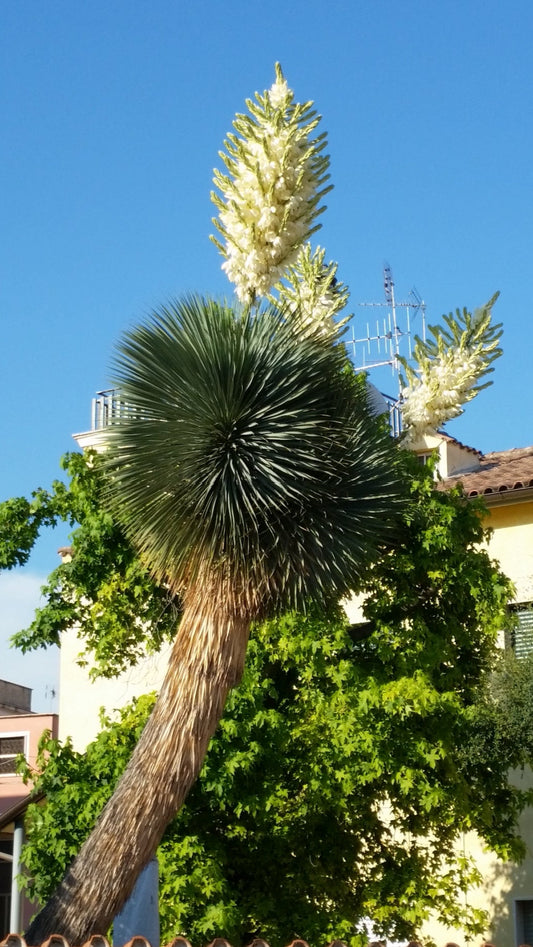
450 367
270 197
312 293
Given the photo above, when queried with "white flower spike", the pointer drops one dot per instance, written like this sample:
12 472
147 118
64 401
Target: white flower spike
312 293
449 369
270 198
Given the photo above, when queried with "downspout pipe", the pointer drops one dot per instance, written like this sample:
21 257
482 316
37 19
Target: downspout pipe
15 917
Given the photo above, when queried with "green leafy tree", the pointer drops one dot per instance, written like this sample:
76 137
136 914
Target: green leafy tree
504 718
104 590
342 752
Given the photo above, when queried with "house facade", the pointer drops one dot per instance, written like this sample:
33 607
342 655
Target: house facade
20 731
504 479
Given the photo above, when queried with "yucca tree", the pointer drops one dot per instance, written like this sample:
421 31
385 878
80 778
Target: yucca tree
249 474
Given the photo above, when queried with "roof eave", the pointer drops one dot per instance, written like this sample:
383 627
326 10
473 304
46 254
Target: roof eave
504 497
19 808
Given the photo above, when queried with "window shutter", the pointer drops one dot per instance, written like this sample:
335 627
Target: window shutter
522 635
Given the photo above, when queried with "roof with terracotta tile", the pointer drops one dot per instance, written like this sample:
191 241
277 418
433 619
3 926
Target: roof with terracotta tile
97 940
56 940
453 440
498 473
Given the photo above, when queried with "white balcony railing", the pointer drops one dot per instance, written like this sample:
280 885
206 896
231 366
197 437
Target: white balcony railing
106 405
395 416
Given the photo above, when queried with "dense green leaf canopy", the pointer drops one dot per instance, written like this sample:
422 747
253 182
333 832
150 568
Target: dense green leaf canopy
104 591
343 751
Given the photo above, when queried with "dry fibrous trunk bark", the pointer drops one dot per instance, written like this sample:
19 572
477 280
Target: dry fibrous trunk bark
206 661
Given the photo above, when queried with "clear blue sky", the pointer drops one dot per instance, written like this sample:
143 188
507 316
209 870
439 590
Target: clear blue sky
112 114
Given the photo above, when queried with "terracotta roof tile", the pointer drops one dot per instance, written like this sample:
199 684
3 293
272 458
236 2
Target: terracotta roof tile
97 940
499 472
453 440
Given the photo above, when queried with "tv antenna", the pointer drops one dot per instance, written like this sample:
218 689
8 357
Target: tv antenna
50 693
392 336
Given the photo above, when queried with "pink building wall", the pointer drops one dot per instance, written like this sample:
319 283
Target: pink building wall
31 726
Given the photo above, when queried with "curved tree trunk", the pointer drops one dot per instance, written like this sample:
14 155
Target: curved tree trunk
207 659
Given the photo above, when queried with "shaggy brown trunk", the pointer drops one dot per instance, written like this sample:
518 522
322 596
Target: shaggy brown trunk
207 659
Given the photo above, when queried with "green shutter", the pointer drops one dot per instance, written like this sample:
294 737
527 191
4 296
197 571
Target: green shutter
523 633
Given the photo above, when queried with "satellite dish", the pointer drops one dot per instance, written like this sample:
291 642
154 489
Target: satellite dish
377 403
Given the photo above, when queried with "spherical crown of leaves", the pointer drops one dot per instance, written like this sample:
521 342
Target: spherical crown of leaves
245 448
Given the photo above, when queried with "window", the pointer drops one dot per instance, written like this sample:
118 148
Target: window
6 849
11 744
524 920
520 638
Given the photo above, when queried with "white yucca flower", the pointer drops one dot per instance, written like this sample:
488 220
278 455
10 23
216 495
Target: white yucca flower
449 370
311 292
280 95
439 394
270 197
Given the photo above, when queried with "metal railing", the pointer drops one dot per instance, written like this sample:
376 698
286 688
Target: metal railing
106 406
395 416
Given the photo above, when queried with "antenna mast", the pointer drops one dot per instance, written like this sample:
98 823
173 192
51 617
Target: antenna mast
392 335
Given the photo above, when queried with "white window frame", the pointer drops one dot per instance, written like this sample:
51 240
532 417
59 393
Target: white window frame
10 734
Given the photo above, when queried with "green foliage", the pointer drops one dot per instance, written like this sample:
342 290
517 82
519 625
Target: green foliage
21 521
343 752
503 726
105 590
439 605
512 693
77 786
438 583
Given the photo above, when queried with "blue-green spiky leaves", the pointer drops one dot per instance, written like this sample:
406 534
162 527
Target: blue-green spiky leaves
245 447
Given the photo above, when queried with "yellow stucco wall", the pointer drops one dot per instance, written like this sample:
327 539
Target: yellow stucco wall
511 544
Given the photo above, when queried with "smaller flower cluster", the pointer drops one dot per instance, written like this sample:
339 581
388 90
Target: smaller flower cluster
440 392
312 293
270 197
450 368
